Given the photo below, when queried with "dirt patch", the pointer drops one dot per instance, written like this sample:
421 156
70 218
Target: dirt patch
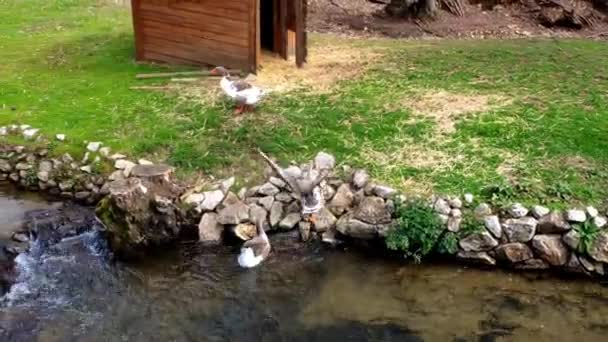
330 60
509 166
576 162
391 162
482 19
410 155
328 63
445 108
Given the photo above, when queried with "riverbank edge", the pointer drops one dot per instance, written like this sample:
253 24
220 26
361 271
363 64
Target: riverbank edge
354 208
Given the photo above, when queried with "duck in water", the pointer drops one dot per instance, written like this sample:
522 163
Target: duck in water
255 250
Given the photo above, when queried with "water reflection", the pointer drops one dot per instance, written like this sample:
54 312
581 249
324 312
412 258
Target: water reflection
71 291
13 205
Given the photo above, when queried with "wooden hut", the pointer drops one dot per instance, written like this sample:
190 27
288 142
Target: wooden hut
231 33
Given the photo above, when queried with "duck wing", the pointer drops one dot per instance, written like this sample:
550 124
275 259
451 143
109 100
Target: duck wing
259 245
241 85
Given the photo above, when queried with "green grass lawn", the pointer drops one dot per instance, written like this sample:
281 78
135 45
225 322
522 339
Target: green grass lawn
531 118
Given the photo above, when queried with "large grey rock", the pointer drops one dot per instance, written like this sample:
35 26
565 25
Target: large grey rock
23 166
46 166
478 242
384 191
599 248
373 210
230 199
600 221
454 223
290 221
209 229
539 211
94 146
517 210
592 212
349 226
268 189
483 210
572 239
211 200
492 224
553 223
278 182
293 207
43 176
30 133
226 184
586 263
477 257
574 265
116 175
360 178
259 214
276 214
284 197
532 264
468 197
520 230
139 214
514 252
104 151
576 216
551 249
304 230
5 166
328 192
442 206
455 202
342 200
266 202
324 161
234 214
325 220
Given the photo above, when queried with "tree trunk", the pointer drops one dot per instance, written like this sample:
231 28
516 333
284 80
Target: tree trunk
429 8
412 8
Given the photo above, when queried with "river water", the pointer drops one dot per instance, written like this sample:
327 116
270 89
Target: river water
71 291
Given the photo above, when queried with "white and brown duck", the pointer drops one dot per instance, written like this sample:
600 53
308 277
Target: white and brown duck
256 250
242 92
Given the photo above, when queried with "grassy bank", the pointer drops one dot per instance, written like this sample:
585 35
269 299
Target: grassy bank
524 120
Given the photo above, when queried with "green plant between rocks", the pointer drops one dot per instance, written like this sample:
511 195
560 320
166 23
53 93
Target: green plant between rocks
588 232
470 225
419 231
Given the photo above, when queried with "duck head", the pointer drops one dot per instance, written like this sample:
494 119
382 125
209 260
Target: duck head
220 71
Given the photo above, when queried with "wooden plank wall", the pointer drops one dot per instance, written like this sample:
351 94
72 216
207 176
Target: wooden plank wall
198 32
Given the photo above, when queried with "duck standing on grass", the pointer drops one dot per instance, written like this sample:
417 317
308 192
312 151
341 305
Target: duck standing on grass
255 250
242 92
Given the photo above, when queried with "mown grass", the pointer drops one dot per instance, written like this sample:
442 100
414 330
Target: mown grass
67 67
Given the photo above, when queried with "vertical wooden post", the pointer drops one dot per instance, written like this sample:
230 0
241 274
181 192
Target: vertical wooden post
254 35
137 30
301 37
282 46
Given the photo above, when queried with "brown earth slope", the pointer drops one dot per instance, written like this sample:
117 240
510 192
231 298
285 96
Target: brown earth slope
485 19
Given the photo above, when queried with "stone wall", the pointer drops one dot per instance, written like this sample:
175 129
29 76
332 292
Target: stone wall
154 210
357 208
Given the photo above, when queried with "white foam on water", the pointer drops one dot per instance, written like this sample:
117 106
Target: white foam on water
41 270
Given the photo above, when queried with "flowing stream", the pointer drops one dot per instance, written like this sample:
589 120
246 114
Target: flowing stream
71 291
